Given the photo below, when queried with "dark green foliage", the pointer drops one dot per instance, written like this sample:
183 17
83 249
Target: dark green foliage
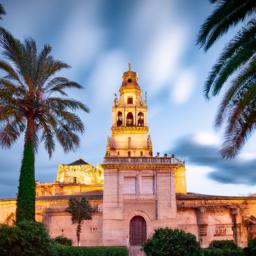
26 191
237 59
91 251
223 244
26 239
63 240
251 249
169 242
29 238
222 252
227 13
80 210
30 104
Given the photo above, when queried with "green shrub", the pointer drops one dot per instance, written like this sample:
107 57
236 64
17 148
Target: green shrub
63 240
223 244
222 252
251 249
26 239
168 242
91 251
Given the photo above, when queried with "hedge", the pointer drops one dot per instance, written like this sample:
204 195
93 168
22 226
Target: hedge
171 242
26 239
222 252
63 240
91 251
223 244
251 249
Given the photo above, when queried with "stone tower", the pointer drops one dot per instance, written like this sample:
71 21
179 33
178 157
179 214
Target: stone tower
129 121
139 188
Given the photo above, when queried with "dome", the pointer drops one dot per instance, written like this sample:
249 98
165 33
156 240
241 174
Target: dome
130 79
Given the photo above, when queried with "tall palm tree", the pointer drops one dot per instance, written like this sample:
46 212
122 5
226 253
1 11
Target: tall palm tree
29 103
238 58
80 210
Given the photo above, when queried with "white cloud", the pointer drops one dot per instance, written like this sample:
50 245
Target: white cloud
161 37
82 38
247 155
163 56
106 78
23 18
183 86
199 182
206 138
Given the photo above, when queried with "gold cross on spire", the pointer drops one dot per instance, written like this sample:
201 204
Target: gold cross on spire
129 66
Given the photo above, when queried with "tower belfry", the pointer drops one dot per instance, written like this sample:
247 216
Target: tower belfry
130 133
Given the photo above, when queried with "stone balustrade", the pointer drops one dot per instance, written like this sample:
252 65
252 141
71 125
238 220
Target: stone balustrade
143 160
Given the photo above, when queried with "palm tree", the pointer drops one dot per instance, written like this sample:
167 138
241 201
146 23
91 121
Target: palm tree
238 58
80 210
29 103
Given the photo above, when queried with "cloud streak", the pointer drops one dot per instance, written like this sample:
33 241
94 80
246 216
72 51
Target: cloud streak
234 171
183 86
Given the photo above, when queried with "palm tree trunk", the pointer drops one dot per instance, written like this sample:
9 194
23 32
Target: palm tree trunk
78 231
26 190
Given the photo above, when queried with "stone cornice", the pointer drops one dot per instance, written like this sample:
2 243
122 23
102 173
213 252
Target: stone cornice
162 167
129 130
142 163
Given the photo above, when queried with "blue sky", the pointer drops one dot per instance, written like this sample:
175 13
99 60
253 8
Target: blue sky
98 38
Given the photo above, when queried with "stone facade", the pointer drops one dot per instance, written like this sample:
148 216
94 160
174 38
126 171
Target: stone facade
134 191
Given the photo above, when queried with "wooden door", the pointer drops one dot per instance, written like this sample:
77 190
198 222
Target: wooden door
138 230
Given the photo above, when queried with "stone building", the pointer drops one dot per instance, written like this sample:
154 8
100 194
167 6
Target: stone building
136 191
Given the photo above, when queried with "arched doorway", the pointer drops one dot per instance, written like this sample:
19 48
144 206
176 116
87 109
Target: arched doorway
138 230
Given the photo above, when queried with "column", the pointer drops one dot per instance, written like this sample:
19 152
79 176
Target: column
202 223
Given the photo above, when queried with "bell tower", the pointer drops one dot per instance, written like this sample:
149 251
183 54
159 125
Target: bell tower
130 135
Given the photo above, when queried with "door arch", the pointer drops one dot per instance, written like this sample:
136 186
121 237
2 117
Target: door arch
138 230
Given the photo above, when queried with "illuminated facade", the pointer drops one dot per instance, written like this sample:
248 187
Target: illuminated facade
136 191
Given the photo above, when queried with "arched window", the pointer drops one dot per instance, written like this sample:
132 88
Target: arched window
140 119
129 119
119 121
130 100
129 153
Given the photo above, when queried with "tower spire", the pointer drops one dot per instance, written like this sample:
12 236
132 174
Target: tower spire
129 66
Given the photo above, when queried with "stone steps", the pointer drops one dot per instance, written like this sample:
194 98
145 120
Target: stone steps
136 251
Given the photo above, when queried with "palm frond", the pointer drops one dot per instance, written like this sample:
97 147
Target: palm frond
2 11
240 84
12 88
12 74
62 104
227 14
239 50
67 138
72 121
25 92
48 137
10 132
242 129
51 67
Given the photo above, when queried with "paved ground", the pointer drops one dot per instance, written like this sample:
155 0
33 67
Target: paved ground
136 251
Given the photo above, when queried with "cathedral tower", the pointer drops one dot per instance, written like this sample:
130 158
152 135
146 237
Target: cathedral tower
130 135
139 188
